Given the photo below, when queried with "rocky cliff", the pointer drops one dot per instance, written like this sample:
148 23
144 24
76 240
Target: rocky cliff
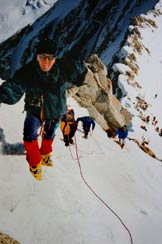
96 95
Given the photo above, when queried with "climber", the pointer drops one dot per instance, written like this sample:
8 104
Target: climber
122 134
68 127
44 82
87 124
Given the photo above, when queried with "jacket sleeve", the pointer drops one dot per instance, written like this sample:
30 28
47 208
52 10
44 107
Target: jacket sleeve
126 134
73 71
12 90
78 119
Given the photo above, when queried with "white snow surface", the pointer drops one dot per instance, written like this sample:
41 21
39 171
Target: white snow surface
16 14
117 194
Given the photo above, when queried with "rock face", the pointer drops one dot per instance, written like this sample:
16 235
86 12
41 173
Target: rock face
96 96
5 239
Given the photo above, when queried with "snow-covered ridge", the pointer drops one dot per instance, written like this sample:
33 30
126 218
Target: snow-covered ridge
137 75
14 15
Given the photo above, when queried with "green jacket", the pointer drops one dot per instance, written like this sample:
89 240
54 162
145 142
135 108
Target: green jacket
44 91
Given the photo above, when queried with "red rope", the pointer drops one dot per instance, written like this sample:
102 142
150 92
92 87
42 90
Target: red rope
101 200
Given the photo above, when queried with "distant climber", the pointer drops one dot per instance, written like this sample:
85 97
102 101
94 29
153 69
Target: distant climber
122 134
68 127
87 124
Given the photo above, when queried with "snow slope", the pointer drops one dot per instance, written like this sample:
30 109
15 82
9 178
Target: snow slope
62 209
14 15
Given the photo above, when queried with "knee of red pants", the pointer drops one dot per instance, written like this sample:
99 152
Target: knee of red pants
46 146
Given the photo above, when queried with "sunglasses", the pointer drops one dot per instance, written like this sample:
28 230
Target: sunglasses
43 57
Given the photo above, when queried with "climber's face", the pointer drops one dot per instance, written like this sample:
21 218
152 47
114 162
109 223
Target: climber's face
46 61
124 127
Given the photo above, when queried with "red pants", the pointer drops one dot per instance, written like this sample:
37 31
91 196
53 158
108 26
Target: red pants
33 152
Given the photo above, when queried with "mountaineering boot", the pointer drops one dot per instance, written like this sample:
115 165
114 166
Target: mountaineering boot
36 171
122 145
85 137
34 158
46 160
71 141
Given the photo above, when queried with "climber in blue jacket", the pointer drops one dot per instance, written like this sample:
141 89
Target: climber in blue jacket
122 135
87 123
